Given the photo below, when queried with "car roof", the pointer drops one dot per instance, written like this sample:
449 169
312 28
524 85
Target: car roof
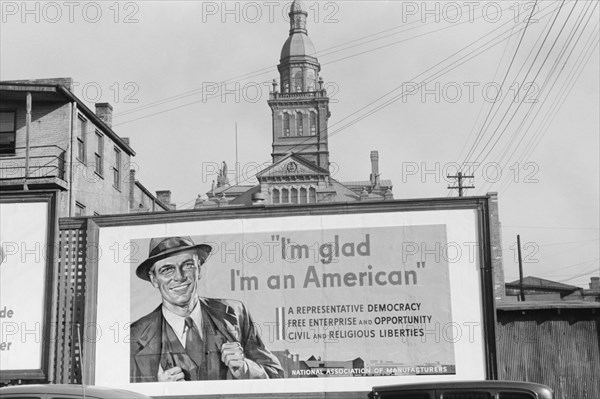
72 389
485 384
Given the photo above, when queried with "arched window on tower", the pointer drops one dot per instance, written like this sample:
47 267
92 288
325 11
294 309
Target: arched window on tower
285 196
297 80
294 196
312 195
313 123
310 80
299 124
303 197
275 196
286 124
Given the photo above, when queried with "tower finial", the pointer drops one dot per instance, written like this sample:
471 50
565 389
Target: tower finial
297 18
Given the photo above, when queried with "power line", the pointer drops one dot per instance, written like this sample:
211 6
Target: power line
559 101
537 105
324 54
459 178
444 70
522 83
480 133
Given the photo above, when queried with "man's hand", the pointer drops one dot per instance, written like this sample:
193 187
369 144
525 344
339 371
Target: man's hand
172 374
232 354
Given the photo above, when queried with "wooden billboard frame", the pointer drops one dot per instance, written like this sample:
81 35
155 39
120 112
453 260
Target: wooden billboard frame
479 204
49 295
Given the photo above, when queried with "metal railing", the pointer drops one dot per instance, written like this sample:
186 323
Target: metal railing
44 161
299 95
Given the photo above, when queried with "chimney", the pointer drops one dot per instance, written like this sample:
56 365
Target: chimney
595 283
104 112
375 169
164 196
131 189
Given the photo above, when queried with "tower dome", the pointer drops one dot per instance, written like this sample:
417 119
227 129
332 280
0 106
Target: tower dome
298 44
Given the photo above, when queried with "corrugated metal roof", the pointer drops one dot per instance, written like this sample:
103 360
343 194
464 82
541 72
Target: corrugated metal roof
366 183
508 306
531 281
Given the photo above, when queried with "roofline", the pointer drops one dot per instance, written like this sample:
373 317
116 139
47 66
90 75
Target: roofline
542 287
12 86
297 157
548 305
92 115
154 198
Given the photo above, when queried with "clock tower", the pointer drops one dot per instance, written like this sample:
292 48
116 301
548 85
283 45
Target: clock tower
300 172
300 106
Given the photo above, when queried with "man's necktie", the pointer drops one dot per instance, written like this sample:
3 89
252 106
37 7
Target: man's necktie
193 342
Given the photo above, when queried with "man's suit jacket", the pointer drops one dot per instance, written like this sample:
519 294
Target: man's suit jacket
233 324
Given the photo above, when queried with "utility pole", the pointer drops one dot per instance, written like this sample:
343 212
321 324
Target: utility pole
460 187
27 135
521 291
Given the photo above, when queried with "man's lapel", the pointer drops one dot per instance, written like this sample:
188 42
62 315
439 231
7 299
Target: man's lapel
224 318
149 341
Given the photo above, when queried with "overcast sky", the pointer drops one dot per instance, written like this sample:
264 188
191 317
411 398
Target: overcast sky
161 65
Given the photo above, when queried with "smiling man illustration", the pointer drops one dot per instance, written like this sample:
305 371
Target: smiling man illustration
188 337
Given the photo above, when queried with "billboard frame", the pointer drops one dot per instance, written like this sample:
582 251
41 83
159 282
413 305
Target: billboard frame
49 295
479 204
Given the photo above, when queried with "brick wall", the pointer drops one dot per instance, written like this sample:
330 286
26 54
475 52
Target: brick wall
98 191
496 241
50 156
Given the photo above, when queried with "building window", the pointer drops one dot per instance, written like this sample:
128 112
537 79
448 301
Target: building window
8 132
79 209
81 132
99 154
294 196
297 79
299 124
286 125
275 196
117 169
285 196
303 196
312 196
310 80
313 123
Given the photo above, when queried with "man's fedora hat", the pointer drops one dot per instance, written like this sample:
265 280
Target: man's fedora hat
161 248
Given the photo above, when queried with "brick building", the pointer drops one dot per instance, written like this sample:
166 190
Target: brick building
50 140
300 172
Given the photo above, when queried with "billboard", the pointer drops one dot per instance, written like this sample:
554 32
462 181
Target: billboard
26 231
291 301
